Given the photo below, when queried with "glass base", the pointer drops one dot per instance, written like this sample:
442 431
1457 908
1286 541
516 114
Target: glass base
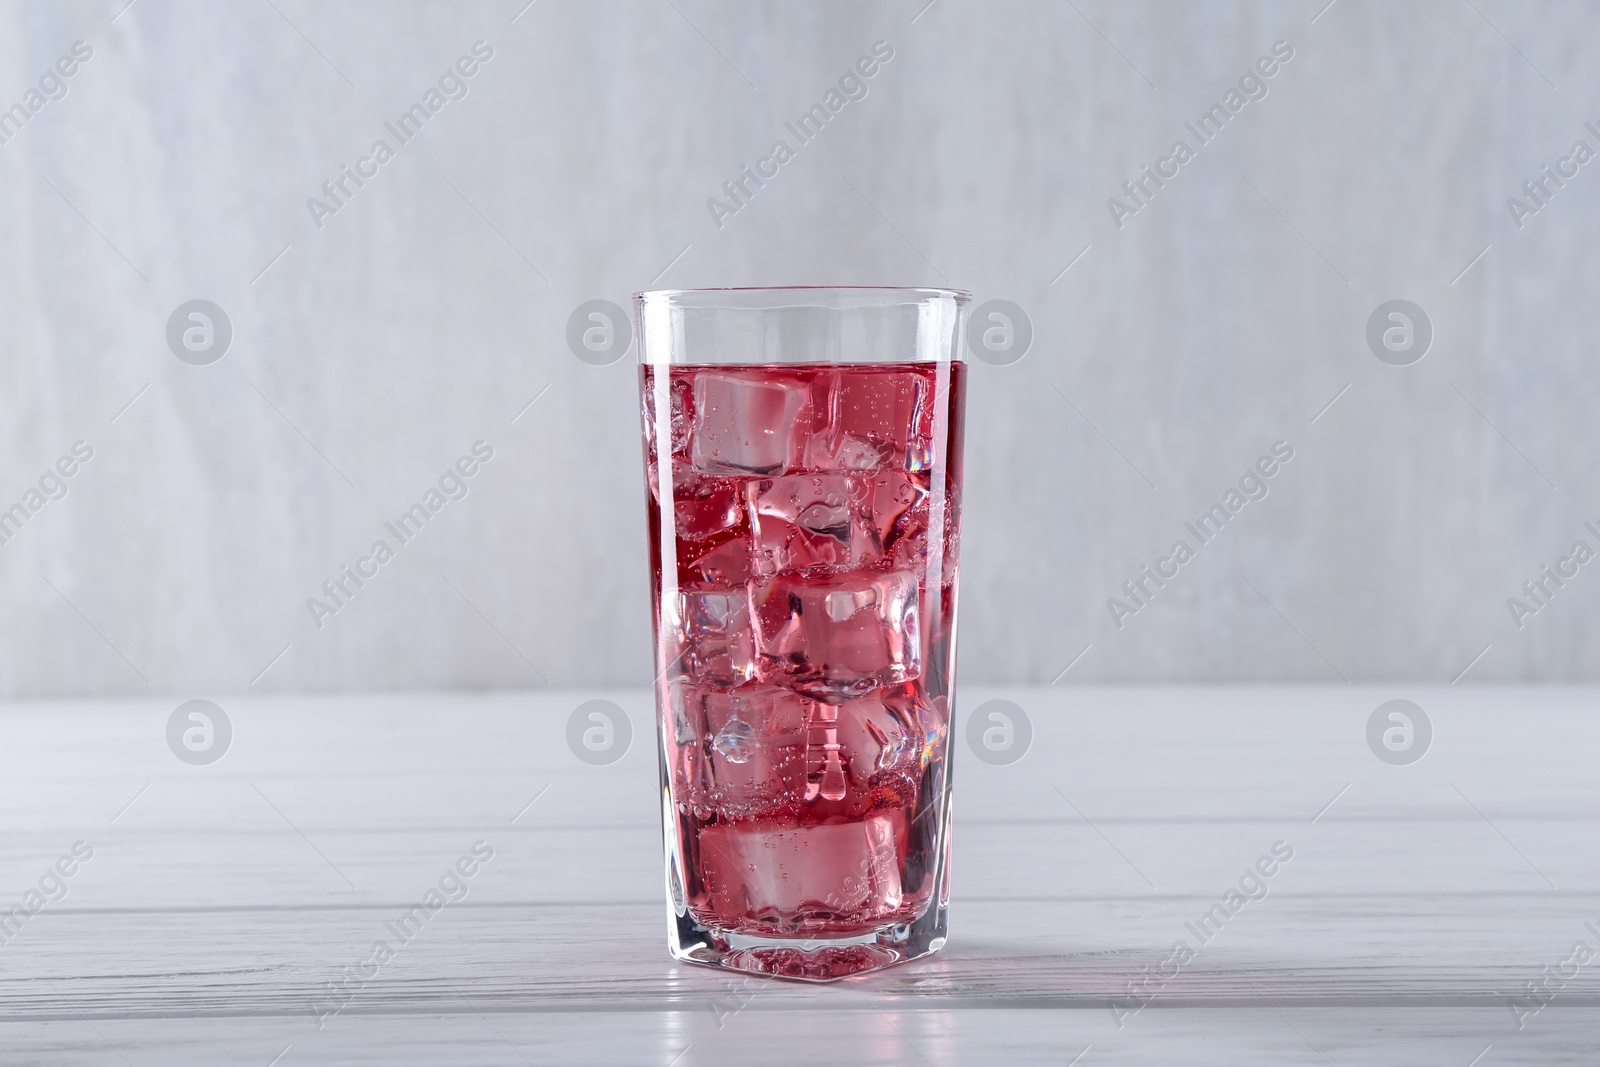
812 959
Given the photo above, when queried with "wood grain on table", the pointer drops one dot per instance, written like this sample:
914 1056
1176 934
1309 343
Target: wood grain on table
220 901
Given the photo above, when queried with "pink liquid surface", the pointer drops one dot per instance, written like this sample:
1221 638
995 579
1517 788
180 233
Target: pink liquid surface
804 524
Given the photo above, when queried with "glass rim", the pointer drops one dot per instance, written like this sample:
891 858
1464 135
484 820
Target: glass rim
795 324
691 297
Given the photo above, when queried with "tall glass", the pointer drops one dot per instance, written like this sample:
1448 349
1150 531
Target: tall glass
803 455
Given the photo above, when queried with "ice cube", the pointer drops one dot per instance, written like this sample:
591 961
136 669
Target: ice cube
735 741
856 454
833 520
686 755
834 637
680 414
716 564
893 505
880 733
878 419
743 425
848 871
704 506
909 543
748 748
685 715
714 641
806 520
868 419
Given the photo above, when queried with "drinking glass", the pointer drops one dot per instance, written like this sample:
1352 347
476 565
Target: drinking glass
803 458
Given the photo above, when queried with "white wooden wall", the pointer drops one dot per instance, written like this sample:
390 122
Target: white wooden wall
431 309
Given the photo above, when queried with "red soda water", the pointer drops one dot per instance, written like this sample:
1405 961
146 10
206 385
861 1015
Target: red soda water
804 522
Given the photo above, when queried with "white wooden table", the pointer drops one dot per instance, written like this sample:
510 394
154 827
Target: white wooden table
220 900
